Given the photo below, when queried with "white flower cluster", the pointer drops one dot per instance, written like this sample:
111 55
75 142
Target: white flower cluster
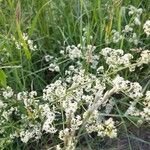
127 29
4 55
54 91
108 129
48 58
54 67
82 52
133 89
53 63
66 136
74 51
33 132
143 113
91 57
146 27
78 88
27 97
128 33
134 39
75 101
2 105
8 92
145 57
85 35
28 129
29 42
103 128
116 57
116 36
49 116
137 12
32 47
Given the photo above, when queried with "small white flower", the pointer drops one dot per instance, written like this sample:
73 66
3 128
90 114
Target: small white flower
146 27
48 58
26 135
145 57
32 94
73 52
116 36
8 92
62 52
128 29
54 67
137 21
1 104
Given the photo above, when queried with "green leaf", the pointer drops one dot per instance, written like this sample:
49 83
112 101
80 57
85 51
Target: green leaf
2 78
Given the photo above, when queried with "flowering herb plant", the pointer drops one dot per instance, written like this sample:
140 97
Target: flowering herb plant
85 88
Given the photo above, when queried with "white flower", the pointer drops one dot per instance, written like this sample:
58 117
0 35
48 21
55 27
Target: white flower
147 98
130 110
58 147
133 88
145 57
125 59
115 58
120 83
64 133
134 39
50 117
128 29
137 13
48 58
28 41
76 122
32 94
136 91
25 36
46 112
8 92
100 69
146 27
54 67
26 135
49 128
73 52
71 68
116 36
22 96
94 61
110 129
1 104
70 107
137 21
145 114
62 52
